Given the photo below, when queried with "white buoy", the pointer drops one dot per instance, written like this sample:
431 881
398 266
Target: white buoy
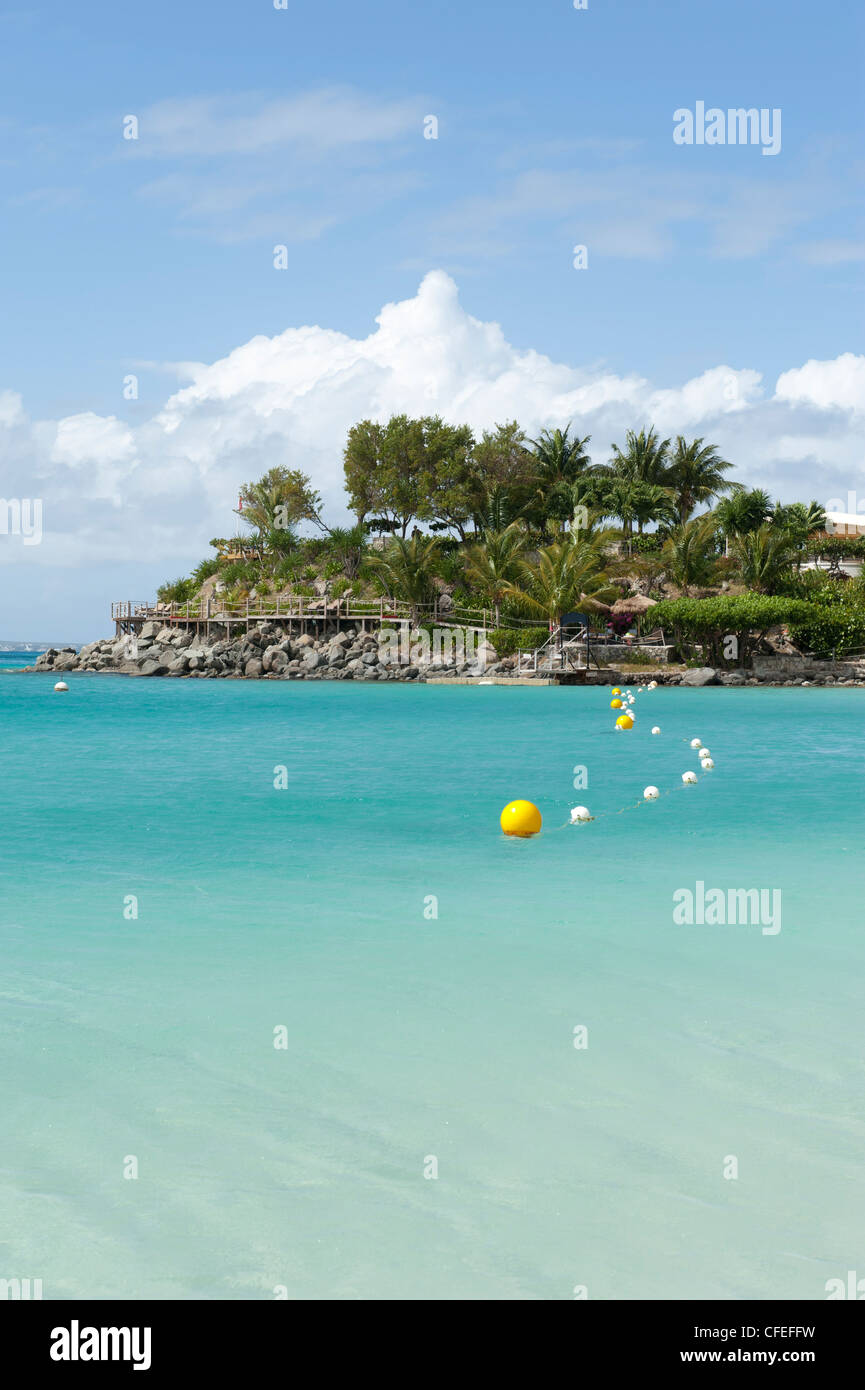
696 743
704 752
689 778
653 685
61 685
580 813
657 729
707 764
651 794
640 689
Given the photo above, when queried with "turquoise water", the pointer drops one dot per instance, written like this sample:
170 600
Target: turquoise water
13 661
412 1037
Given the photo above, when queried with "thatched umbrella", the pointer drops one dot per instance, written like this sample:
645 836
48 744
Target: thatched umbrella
637 603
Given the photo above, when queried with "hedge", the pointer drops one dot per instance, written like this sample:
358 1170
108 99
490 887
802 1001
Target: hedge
822 629
712 621
830 632
507 640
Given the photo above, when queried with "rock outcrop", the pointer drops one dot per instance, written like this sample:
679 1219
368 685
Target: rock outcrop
270 652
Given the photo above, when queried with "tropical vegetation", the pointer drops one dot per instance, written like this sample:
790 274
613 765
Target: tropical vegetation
524 530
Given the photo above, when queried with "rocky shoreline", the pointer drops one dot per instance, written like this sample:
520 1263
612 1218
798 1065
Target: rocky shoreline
268 651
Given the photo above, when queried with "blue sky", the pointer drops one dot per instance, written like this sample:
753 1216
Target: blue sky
304 127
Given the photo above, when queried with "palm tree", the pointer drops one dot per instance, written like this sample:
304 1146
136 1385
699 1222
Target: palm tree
562 575
800 519
696 474
632 500
801 522
347 545
407 570
496 509
559 459
645 457
558 462
765 557
687 553
743 512
494 564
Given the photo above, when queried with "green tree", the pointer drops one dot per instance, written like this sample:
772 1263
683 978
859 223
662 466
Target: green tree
448 480
742 512
275 506
347 546
765 557
631 500
695 475
364 467
554 583
558 463
688 553
502 477
494 564
407 570
645 457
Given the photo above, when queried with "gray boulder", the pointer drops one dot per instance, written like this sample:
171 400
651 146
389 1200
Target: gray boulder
253 668
703 675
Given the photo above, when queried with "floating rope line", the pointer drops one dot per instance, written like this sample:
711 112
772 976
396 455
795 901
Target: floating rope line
632 806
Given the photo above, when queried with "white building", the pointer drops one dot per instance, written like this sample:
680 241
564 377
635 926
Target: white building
849 524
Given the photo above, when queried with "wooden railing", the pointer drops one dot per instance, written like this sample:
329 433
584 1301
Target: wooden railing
282 607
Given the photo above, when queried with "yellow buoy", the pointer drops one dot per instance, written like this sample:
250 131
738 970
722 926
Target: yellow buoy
625 721
616 690
615 704
521 818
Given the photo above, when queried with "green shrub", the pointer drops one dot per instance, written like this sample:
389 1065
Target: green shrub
178 591
831 632
507 640
240 572
649 544
205 570
709 622
839 547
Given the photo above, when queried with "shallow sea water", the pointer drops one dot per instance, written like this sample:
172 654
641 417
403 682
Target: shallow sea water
412 1037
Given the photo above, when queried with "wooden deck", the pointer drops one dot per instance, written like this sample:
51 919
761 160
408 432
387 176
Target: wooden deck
303 613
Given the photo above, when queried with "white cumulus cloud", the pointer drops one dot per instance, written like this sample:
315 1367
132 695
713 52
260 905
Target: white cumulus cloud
159 490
